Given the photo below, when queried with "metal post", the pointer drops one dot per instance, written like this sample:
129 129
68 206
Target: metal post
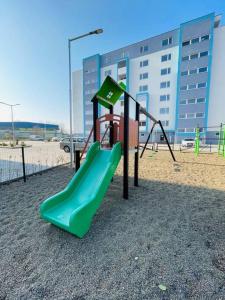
136 155
71 107
13 134
111 128
126 146
23 163
95 117
77 160
168 144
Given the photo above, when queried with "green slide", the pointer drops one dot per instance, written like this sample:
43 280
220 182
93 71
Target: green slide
73 208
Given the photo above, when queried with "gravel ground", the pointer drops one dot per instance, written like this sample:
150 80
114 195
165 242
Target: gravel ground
170 232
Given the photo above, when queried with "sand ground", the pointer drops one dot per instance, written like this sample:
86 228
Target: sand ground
171 231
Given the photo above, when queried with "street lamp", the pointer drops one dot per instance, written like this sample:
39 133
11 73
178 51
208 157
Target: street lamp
12 120
70 40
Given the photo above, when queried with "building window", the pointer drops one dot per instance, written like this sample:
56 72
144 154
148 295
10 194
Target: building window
194 56
193 71
164 110
183 88
205 53
190 130
191 101
143 88
183 102
143 76
201 85
144 63
203 69
195 41
121 64
164 84
165 123
200 115
164 97
190 115
184 73
167 41
108 72
185 43
201 100
143 48
205 37
181 129
192 86
121 103
122 76
185 58
165 57
182 116
165 71
142 123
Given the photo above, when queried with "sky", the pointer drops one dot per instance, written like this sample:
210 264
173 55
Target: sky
34 49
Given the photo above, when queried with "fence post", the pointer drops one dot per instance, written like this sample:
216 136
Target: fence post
23 163
77 162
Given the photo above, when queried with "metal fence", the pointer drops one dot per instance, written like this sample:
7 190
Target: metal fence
16 162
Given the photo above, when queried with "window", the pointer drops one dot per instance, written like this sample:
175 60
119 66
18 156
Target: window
186 43
165 97
121 103
203 69
194 56
165 123
185 58
142 123
121 64
144 76
195 41
144 48
192 86
201 100
165 71
183 88
167 41
165 57
193 71
182 116
164 84
190 115
181 130
191 101
143 88
164 110
183 102
205 53
144 63
205 37
200 115
122 76
201 85
184 73
108 72
190 130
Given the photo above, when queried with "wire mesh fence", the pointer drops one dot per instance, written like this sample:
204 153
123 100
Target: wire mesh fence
38 156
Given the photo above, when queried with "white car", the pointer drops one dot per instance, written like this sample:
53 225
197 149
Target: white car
188 143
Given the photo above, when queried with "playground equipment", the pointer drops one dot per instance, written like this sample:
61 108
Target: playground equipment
221 143
197 142
73 208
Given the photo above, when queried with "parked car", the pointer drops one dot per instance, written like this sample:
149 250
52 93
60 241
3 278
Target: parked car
79 144
36 138
188 143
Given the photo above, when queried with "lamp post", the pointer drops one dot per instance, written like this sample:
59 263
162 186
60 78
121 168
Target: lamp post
70 40
12 120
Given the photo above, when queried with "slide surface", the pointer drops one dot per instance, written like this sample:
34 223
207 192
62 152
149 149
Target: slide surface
73 208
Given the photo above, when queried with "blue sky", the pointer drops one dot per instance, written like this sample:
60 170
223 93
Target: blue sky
34 53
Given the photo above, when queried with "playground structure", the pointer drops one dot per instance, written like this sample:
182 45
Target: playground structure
73 208
199 147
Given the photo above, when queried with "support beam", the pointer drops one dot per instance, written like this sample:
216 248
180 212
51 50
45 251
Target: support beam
126 146
146 143
136 155
168 144
111 128
95 117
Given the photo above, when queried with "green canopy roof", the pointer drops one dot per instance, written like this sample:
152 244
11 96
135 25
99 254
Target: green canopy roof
110 92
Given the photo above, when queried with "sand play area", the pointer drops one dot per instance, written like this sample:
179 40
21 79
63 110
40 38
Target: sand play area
166 242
